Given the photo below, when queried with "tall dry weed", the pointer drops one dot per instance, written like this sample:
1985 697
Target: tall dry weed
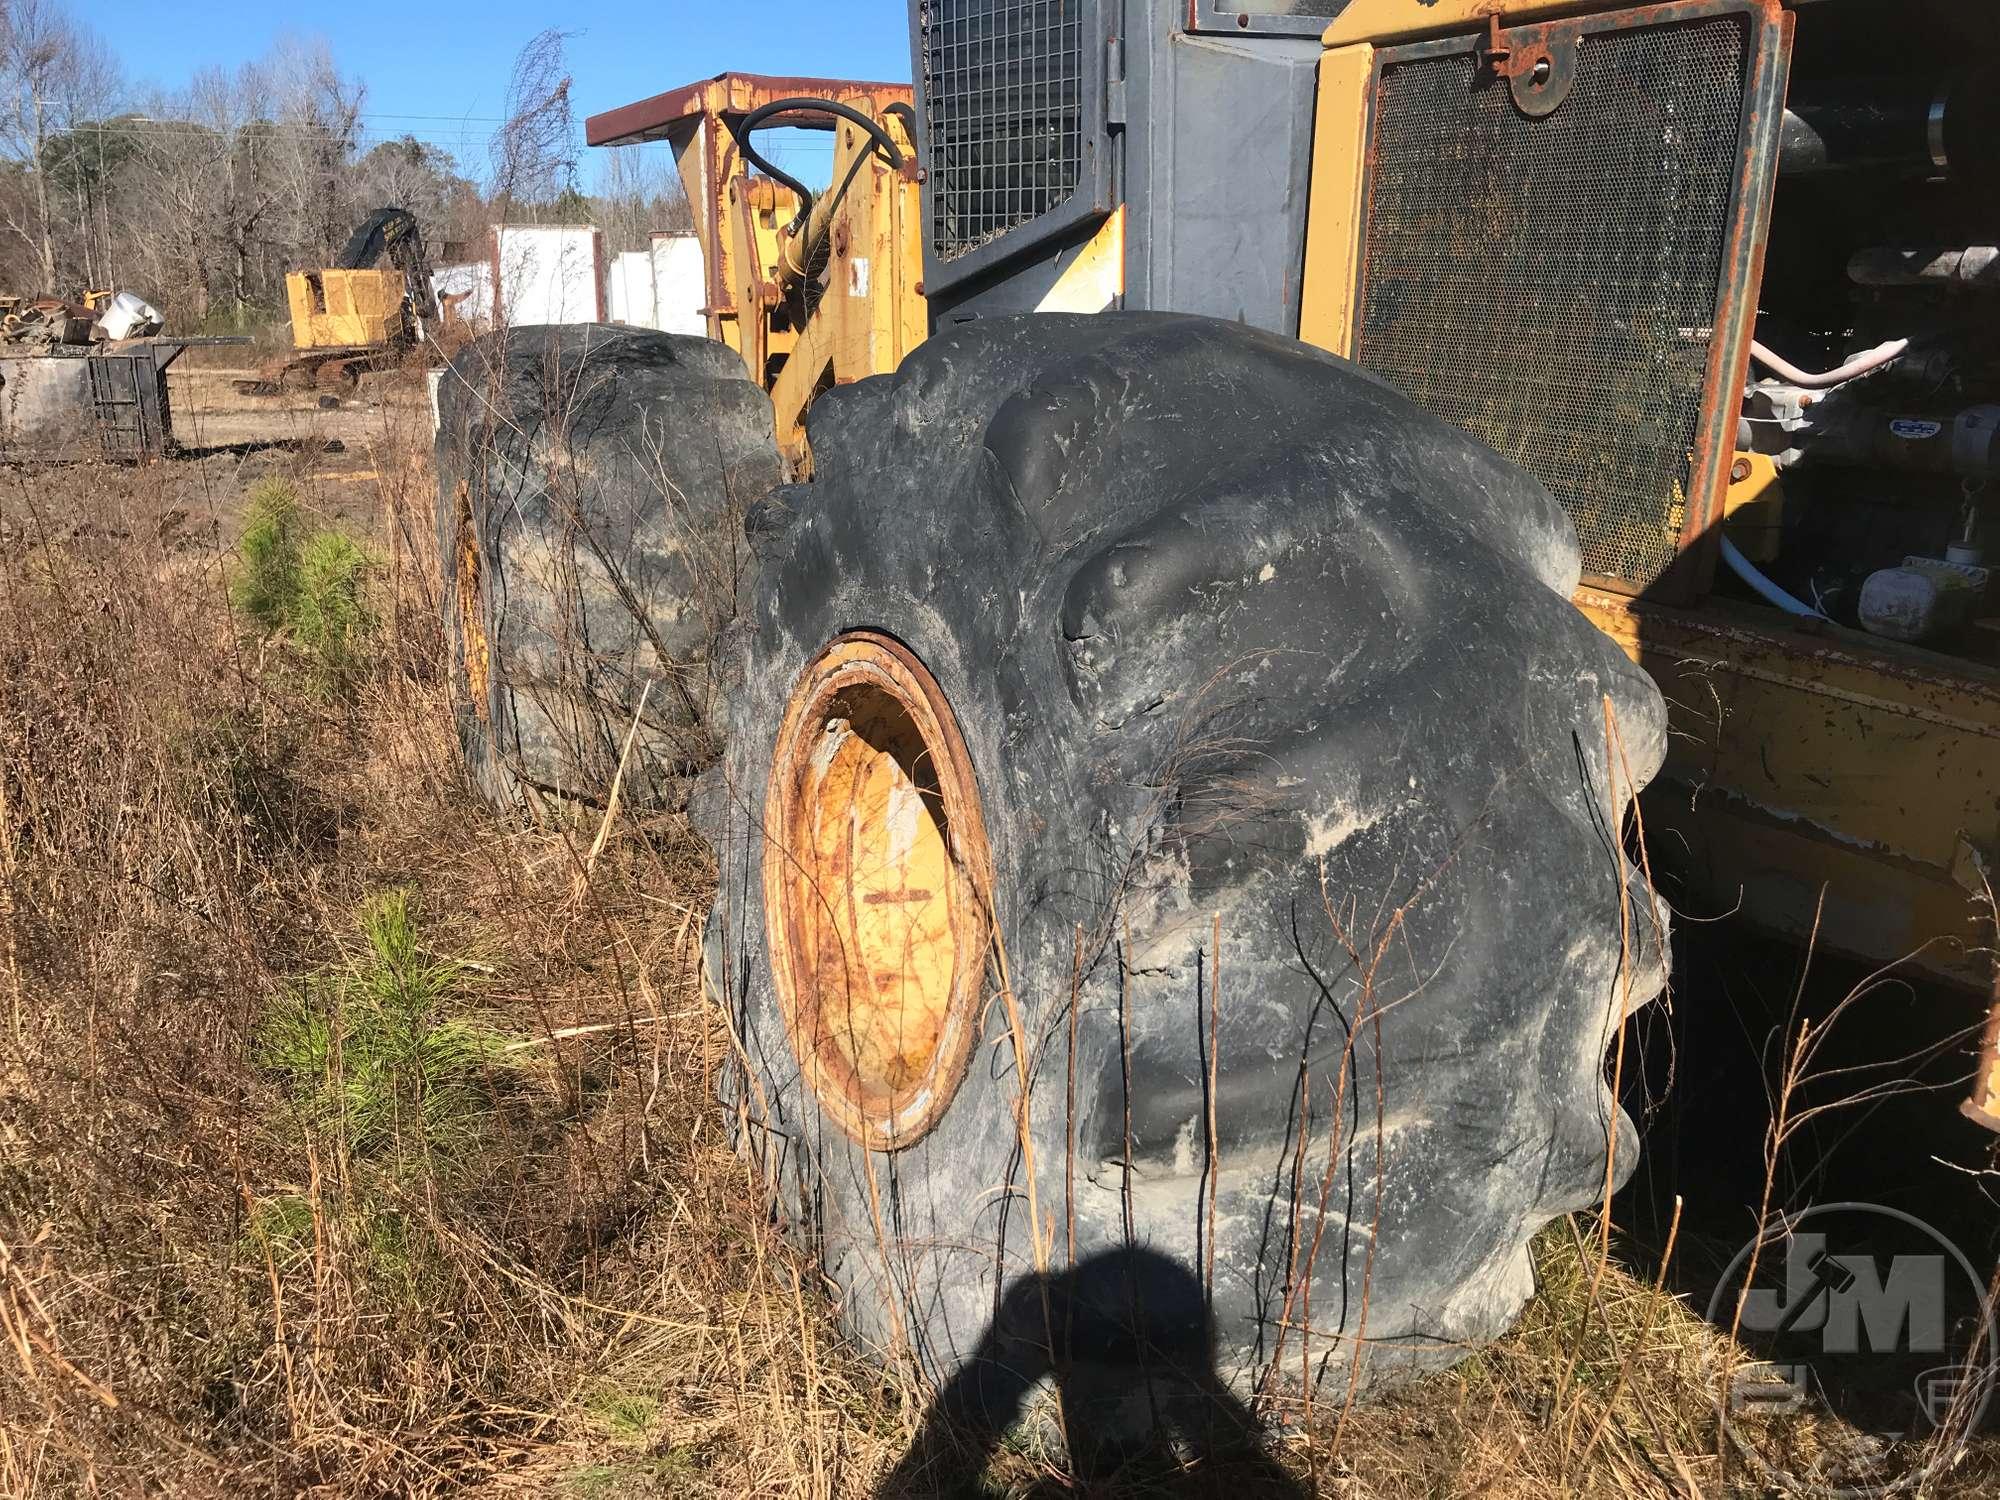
206 1279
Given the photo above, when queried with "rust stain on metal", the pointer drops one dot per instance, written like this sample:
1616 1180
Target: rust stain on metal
1984 1105
1743 272
1793 747
1498 54
1539 63
472 610
1733 629
727 94
698 121
876 889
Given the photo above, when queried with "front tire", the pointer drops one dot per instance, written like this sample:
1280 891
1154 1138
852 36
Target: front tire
1233 640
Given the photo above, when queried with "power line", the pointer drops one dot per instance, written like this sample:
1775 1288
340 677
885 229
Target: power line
376 114
262 129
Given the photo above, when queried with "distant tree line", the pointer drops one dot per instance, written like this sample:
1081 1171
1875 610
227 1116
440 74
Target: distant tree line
201 198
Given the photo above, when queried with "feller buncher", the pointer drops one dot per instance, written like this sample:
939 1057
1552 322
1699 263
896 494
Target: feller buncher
1148 579
357 314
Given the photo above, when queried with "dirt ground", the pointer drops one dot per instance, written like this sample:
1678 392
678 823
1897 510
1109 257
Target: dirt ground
334 447
210 413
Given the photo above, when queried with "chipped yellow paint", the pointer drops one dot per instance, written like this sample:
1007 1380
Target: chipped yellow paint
1096 278
878 938
472 611
866 312
1333 212
1810 758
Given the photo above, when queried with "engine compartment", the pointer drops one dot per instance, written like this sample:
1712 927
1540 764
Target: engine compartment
1879 507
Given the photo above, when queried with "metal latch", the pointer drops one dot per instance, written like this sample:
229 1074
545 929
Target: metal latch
1537 62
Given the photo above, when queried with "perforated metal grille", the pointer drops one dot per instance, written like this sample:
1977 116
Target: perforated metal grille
1551 284
1003 102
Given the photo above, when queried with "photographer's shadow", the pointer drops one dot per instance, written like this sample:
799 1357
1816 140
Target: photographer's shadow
1126 1340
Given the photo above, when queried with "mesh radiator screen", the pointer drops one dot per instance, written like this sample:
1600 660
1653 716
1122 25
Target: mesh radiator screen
1002 104
1551 284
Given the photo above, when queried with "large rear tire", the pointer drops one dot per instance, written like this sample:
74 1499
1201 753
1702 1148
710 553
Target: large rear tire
1091 639
591 488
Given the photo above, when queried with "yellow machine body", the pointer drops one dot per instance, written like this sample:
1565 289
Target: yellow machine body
333 309
808 305
1821 783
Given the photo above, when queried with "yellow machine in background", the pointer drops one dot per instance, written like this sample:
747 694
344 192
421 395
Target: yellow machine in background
335 309
355 315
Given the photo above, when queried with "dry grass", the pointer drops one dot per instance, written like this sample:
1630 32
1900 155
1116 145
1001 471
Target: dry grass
205 1287
211 1282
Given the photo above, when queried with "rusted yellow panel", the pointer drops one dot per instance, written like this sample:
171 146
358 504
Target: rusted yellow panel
300 301
695 158
899 315
334 309
754 214
1753 507
1333 211
1810 757
749 260
866 311
1407 20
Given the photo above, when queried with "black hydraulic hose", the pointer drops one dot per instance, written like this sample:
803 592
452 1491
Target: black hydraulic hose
763 112
805 194
908 116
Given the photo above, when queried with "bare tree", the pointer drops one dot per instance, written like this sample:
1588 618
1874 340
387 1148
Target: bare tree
236 110
319 115
43 63
534 151
636 196
89 87
180 158
412 174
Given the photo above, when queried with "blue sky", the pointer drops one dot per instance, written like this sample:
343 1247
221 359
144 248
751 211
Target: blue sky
438 68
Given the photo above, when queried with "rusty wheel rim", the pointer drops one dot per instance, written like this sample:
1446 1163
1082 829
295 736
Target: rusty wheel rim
875 889
472 609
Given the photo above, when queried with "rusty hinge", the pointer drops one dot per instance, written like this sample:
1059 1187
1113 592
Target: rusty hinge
1511 62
